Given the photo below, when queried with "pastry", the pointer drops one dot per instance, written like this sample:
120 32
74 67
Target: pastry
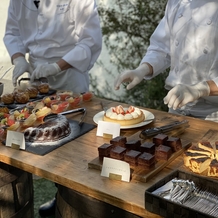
104 150
7 98
163 152
123 116
53 129
175 143
146 160
43 88
199 165
148 147
32 91
160 139
131 157
117 152
21 97
133 144
118 141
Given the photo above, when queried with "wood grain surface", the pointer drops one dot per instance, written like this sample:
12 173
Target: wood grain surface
68 165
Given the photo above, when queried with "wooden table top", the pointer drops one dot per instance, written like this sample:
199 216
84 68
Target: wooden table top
68 164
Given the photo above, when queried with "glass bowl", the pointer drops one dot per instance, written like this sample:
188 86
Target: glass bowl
59 106
63 94
74 101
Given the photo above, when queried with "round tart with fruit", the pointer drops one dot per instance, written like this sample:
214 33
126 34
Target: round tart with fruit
124 116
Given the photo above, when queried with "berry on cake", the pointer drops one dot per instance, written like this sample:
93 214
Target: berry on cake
124 116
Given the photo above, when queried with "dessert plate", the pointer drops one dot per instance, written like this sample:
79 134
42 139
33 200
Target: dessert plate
148 116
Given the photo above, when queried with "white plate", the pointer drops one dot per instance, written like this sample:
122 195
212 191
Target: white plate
148 116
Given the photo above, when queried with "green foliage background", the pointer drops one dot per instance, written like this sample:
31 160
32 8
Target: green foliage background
127 26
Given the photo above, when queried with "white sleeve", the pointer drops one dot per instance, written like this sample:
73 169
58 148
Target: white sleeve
85 53
12 38
158 52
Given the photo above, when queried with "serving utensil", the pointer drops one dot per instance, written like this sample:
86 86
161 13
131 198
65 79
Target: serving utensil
175 126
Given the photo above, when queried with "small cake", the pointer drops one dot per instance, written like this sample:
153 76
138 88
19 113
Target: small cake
175 143
133 144
163 152
21 97
7 98
189 155
104 151
199 165
124 116
131 157
160 139
119 140
206 146
117 152
43 88
213 168
146 160
148 147
32 91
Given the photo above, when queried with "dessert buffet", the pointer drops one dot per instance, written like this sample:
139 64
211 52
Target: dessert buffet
146 157
38 115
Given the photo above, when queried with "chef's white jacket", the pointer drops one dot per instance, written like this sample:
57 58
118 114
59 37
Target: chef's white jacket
186 40
67 29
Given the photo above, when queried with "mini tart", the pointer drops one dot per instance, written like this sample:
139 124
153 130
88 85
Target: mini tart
124 117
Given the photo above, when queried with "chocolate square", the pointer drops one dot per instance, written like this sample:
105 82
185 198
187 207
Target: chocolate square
117 152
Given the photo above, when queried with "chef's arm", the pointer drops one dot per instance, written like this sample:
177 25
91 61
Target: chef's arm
213 88
63 64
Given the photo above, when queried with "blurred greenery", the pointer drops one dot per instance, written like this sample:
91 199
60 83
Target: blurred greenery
127 26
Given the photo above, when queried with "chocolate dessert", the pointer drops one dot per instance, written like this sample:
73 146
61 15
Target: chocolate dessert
160 139
133 144
213 168
146 160
118 141
196 149
189 155
55 127
199 165
131 157
148 147
104 151
117 152
206 146
163 152
175 143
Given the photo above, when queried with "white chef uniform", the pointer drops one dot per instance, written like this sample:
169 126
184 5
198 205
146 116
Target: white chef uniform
56 29
186 39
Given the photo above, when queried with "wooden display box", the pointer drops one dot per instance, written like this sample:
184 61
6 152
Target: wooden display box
166 208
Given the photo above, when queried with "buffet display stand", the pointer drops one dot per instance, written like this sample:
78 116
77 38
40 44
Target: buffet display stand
68 164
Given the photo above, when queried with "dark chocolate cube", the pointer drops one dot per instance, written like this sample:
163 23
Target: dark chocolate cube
117 152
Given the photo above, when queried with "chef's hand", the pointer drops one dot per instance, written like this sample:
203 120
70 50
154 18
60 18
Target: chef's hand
180 95
45 70
21 66
133 76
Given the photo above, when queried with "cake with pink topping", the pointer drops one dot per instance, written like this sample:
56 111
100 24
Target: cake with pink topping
124 116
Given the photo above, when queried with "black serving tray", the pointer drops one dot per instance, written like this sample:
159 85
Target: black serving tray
38 97
166 208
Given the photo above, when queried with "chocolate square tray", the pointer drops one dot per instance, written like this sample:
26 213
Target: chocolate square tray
166 208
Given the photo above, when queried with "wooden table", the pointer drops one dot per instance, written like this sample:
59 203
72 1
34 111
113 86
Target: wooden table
68 165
